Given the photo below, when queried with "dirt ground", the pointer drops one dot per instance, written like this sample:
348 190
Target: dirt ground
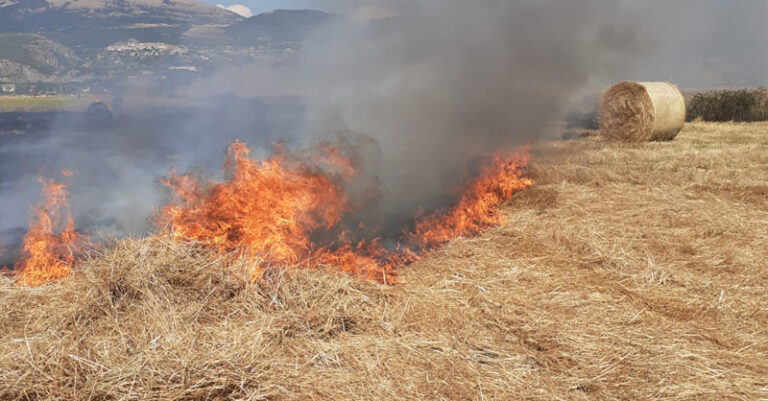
632 272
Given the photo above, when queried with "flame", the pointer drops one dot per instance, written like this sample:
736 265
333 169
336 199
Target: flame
267 212
478 207
270 211
48 256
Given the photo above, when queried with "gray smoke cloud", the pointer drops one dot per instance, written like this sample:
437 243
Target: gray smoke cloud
701 44
442 84
117 164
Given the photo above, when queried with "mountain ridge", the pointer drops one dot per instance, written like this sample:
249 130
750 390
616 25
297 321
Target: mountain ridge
58 15
106 42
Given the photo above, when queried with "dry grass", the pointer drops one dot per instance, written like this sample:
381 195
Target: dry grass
630 272
20 103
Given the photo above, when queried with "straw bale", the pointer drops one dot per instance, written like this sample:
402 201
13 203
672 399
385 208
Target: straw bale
641 112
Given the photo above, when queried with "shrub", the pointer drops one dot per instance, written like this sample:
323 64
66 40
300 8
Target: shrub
729 105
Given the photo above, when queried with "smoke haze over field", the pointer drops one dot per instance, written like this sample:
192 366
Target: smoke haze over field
422 90
694 43
444 83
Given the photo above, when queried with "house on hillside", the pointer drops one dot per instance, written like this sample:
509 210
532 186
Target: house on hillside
7 88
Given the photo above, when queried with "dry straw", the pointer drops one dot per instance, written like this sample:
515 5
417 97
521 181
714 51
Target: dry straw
642 112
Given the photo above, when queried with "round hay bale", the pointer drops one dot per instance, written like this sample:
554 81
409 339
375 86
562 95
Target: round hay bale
641 112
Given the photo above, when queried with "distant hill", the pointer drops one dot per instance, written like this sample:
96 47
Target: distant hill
278 26
37 52
52 15
106 42
87 24
12 72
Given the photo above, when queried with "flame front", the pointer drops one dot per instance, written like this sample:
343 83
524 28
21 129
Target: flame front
48 256
478 207
269 211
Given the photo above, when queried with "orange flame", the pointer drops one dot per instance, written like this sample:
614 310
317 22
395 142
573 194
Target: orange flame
48 256
477 209
268 212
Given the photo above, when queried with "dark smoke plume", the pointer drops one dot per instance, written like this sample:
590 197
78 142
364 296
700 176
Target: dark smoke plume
438 85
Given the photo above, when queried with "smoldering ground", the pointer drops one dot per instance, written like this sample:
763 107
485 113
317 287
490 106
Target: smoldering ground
421 90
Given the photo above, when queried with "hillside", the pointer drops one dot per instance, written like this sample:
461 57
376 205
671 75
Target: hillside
100 44
64 15
37 52
278 26
627 272
86 26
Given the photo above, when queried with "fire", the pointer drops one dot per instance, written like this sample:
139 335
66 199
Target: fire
478 207
48 256
280 212
267 212
271 211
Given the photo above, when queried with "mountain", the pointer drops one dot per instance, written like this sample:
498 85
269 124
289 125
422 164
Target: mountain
278 26
12 72
53 15
105 44
37 52
87 24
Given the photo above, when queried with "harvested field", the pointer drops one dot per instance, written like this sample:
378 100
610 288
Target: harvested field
627 272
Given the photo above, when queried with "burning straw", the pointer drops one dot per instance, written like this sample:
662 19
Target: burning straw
49 255
284 212
270 211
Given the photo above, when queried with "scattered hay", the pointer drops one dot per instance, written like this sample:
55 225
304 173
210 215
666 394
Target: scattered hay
153 319
642 112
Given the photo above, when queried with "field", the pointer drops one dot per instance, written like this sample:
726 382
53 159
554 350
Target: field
19 103
44 103
633 272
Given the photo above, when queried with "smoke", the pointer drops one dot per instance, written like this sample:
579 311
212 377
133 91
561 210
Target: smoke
698 44
442 84
117 163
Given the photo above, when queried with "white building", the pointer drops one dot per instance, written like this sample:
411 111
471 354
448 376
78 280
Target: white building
8 88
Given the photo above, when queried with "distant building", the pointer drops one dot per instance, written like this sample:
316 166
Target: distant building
8 88
190 68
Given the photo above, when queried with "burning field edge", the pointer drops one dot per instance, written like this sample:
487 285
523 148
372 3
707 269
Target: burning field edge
628 272
282 212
